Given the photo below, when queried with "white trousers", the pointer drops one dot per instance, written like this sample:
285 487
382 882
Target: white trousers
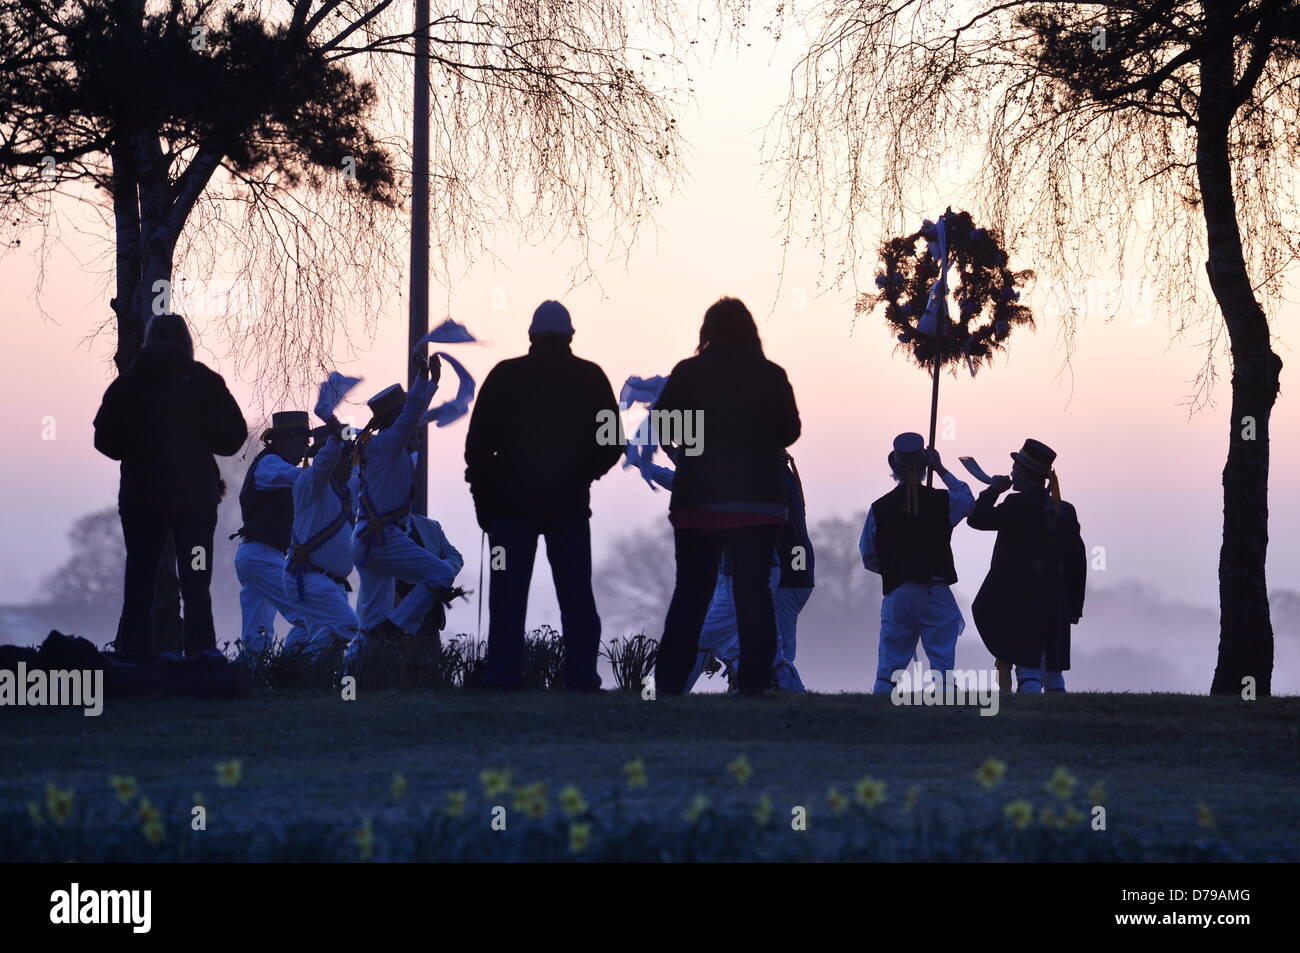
917 612
396 556
260 571
1034 681
325 608
720 634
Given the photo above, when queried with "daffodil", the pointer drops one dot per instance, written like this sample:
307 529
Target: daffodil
699 804
836 801
1020 812
229 773
990 774
1061 783
531 799
146 812
399 788
1048 817
571 801
365 840
634 771
913 795
34 812
1072 816
870 792
58 803
579 837
1097 793
153 830
125 788
763 811
495 783
740 769
1205 817
456 803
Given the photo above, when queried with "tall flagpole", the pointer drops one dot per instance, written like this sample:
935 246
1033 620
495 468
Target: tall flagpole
419 314
940 329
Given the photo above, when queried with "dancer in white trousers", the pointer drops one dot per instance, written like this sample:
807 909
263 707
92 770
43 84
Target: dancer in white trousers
316 573
907 540
266 503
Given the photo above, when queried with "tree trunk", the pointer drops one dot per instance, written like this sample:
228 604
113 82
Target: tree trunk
144 256
1245 630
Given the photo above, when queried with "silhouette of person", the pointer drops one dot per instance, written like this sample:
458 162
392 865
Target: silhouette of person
792 585
535 446
725 417
907 539
164 417
1034 590
266 504
381 544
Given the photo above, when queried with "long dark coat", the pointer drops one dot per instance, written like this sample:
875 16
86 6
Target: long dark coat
1035 586
749 417
164 417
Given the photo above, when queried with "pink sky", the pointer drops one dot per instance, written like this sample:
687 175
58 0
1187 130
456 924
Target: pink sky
1142 473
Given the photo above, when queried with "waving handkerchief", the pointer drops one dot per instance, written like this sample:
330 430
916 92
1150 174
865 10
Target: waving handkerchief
332 392
641 390
639 451
449 332
458 406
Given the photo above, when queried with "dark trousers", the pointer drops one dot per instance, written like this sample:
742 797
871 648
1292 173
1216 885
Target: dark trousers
568 549
145 534
698 554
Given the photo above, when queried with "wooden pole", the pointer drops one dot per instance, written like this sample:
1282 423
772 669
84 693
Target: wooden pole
419 291
940 329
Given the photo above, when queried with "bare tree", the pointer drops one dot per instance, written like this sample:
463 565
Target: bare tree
260 139
1093 127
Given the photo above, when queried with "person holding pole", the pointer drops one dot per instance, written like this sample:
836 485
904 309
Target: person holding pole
907 540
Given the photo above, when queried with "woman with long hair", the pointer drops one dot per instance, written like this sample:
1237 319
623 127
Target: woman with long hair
725 417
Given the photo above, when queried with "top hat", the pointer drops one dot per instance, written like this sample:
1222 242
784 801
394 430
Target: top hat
318 437
551 317
386 404
287 422
1036 456
909 450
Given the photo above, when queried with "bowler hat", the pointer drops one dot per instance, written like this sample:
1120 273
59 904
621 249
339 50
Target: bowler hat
1036 456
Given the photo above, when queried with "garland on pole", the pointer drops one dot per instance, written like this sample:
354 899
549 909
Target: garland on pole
986 291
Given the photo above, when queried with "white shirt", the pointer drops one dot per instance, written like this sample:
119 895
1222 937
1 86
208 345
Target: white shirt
316 504
387 466
274 472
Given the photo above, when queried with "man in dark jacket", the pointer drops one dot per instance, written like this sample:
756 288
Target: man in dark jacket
1035 586
533 450
163 418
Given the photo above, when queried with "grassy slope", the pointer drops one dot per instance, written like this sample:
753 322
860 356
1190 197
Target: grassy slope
307 752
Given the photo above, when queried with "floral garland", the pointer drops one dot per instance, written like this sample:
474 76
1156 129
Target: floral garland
986 290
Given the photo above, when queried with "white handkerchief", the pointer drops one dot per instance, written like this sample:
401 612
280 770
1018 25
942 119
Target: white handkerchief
458 406
332 392
449 332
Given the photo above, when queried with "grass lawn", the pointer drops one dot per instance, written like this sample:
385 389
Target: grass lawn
310 754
